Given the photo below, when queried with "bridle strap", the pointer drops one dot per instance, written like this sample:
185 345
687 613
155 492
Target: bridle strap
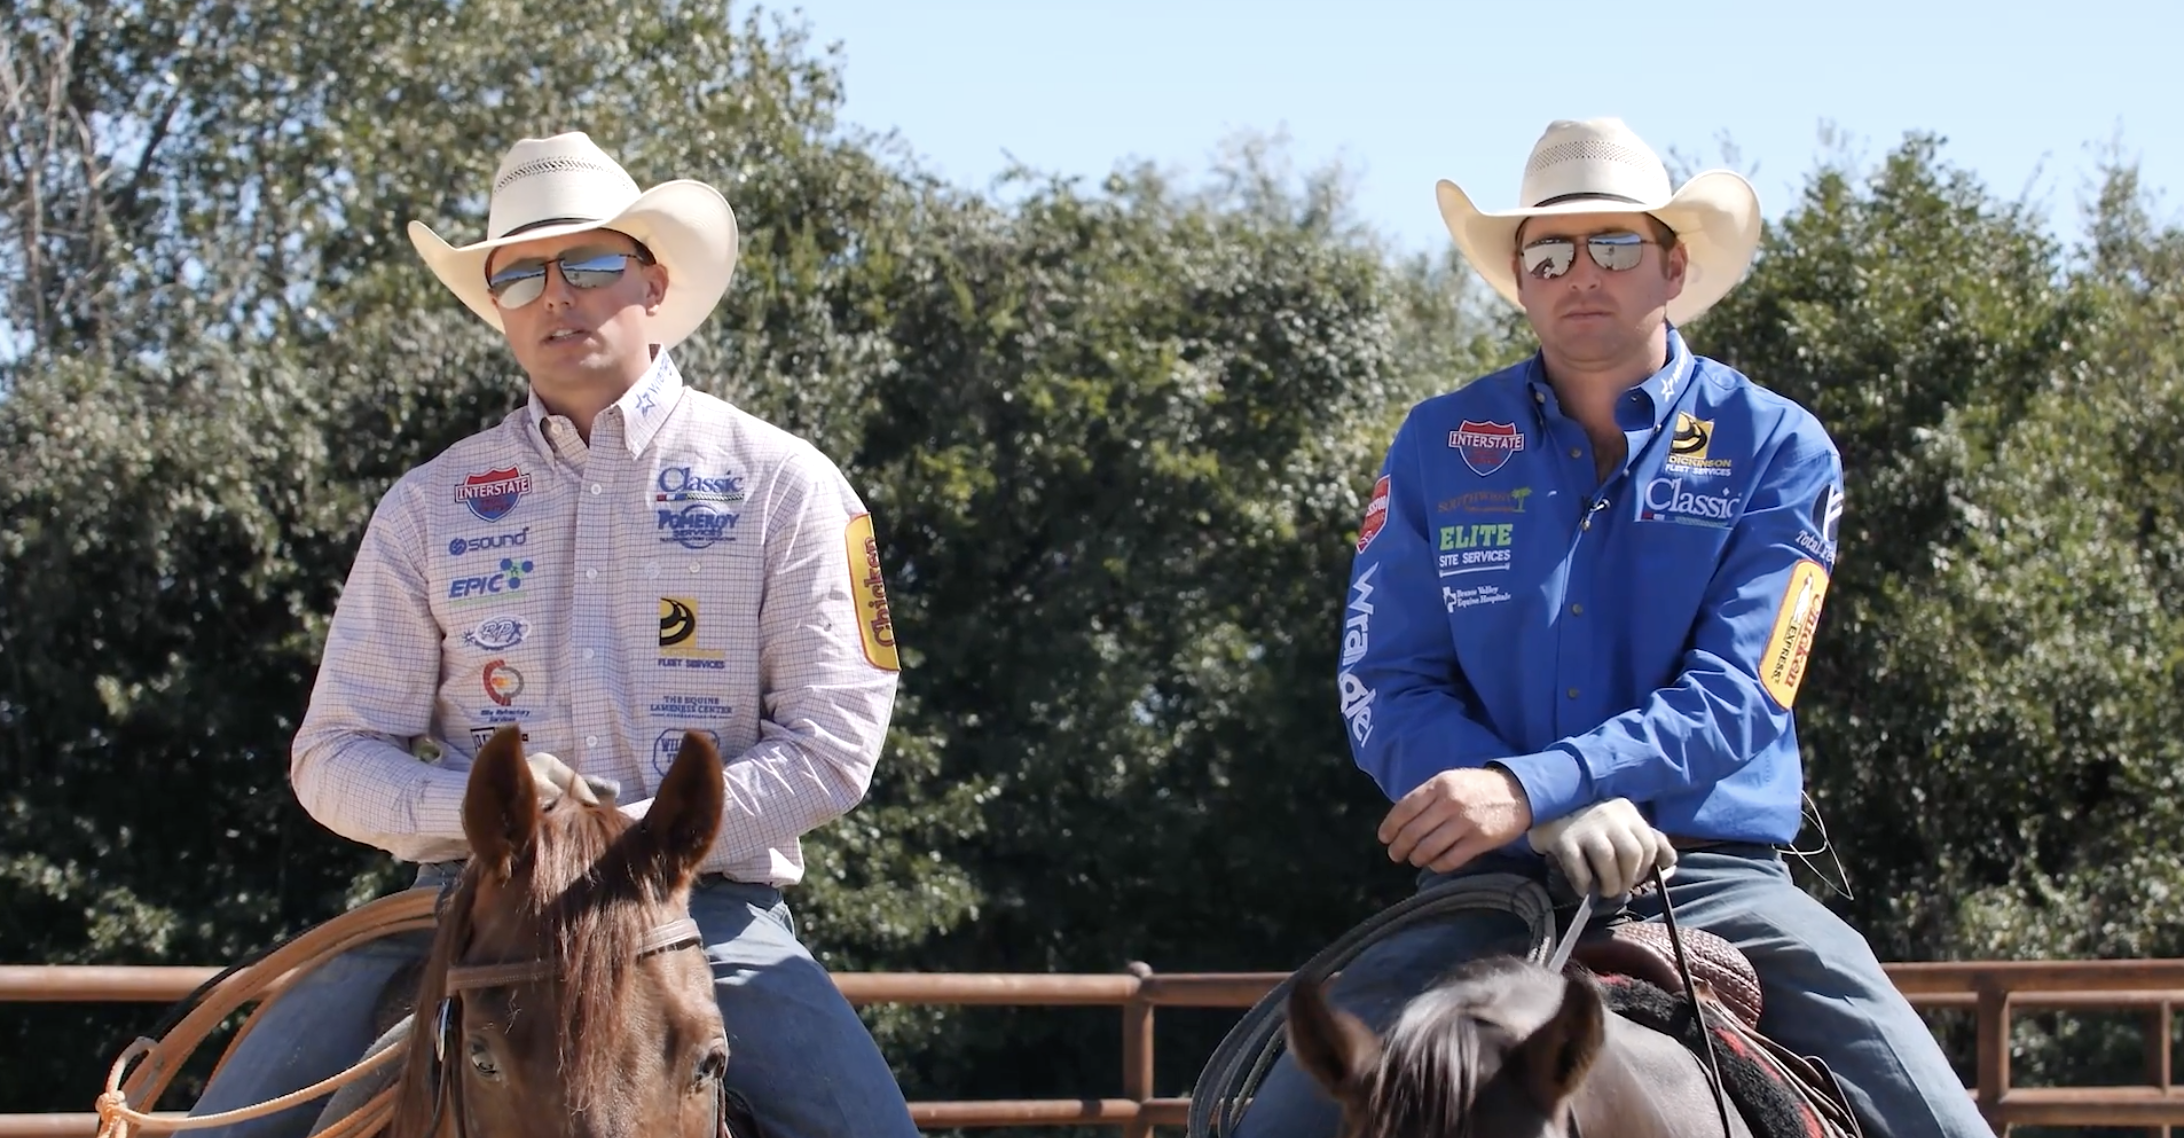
447 1089
471 977
1698 1011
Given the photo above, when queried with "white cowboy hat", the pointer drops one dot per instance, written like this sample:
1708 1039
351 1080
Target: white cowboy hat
547 187
1602 166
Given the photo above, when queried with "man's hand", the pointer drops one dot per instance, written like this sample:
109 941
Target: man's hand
1456 816
555 778
552 776
1606 848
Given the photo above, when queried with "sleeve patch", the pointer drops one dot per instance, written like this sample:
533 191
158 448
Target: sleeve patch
868 586
1789 647
1376 515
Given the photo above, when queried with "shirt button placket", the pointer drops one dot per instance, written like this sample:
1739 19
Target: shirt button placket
592 611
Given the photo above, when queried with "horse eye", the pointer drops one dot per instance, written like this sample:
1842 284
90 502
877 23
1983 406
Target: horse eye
481 1058
713 1064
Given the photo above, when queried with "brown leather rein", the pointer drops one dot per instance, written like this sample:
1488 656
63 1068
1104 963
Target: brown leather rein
447 1028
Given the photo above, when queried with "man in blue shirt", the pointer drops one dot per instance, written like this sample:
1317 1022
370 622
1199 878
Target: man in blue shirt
1585 591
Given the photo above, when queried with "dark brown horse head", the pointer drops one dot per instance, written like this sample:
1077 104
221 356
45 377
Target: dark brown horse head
1500 1048
566 992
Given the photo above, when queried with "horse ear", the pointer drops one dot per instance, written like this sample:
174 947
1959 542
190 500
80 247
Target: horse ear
678 828
500 804
1555 1058
1333 1046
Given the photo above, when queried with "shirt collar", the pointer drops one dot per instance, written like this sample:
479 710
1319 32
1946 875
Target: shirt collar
1648 403
643 409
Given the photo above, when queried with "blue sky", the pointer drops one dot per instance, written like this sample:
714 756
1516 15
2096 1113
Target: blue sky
2027 95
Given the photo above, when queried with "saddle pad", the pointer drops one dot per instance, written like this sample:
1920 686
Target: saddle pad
1779 1094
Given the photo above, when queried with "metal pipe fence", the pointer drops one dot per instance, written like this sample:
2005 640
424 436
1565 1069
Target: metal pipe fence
1994 991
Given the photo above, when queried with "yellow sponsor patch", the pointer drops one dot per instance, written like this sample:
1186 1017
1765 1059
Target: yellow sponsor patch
868 586
1789 647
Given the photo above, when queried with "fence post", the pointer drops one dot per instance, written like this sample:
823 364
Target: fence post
1137 1050
1993 1058
2158 1026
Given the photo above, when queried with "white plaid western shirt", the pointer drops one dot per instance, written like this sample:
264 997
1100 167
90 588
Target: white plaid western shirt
693 568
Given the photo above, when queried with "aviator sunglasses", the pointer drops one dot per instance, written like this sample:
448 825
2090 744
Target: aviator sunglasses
520 282
1550 257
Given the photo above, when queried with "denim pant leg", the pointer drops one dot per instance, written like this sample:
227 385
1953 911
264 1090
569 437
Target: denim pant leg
315 1030
1374 986
1825 993
797 1053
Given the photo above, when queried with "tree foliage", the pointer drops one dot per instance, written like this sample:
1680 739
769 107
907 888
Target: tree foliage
1117 437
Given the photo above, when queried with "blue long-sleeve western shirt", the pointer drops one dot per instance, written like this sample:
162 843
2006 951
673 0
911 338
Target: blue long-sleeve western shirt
1640 636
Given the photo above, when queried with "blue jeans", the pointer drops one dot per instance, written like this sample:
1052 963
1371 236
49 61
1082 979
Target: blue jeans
1824 992
798 1054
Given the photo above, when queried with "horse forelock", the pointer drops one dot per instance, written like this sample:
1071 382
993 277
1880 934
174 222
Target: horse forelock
1430 1067
593 909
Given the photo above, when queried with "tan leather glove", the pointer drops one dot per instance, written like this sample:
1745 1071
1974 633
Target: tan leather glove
555 778
1606 848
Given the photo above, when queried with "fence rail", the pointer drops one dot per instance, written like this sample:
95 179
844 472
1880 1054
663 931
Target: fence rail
1993 990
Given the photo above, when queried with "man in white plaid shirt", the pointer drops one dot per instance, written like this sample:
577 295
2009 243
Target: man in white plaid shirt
625 560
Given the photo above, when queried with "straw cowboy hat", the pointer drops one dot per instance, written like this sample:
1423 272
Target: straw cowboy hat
547 187
1602 166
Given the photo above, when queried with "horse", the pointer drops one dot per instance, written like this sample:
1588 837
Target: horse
566 990
1501 1047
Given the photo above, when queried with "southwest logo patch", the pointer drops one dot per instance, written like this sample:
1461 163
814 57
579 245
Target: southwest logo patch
1376 515
1789 647
868 587
1485 446
493 495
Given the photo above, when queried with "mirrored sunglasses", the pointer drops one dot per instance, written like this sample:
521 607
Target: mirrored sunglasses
1550 257
520 282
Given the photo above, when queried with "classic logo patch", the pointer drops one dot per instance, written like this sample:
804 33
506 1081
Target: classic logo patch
1376 515
686 484
1485 446
1789 647
868 586
493 495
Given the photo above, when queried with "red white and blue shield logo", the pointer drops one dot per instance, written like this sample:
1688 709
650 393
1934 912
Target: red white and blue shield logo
1485 446
493 495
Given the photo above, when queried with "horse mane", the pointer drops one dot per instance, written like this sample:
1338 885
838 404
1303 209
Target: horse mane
590 905
1430 1065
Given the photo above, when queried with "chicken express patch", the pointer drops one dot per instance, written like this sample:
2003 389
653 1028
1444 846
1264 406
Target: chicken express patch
1789 646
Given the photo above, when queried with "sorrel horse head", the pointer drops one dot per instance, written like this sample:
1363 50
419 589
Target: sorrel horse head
567 991
1503 1048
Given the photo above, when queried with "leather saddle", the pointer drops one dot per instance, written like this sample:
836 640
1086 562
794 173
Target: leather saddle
1725 979
1642 951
